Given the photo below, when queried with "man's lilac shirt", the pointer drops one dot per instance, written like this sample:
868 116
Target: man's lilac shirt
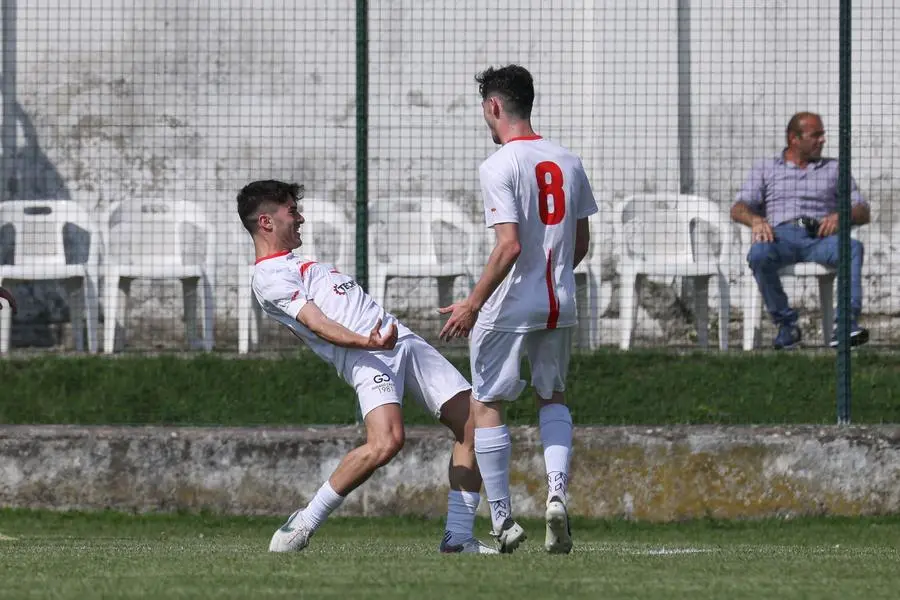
781 191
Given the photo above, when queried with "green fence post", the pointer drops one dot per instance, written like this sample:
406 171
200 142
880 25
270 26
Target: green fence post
362 150
843 194
362 143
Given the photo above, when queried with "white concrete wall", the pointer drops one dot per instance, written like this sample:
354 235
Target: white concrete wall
195 99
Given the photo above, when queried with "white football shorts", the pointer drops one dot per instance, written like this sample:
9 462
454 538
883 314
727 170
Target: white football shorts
413 366
496 358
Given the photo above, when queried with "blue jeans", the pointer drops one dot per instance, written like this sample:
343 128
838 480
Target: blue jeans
792 245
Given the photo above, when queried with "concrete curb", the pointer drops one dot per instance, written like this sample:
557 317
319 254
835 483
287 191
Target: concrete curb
656 474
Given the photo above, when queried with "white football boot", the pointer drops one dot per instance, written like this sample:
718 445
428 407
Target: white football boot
469 546
293 536
509 537
559 534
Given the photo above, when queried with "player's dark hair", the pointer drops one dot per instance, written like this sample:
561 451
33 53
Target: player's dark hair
255 197
513 83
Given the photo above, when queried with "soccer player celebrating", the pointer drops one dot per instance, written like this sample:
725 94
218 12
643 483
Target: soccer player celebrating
537 198
372 351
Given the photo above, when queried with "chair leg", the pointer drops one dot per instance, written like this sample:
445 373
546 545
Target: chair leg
826 300
582 310
627 307
110 310
256 316
91 313
752 309
701 309
5 327
245 313
724 311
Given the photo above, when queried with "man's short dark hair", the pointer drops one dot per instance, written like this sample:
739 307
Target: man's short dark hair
255 197
513 83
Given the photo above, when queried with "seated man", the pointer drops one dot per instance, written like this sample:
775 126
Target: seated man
343 325
790 203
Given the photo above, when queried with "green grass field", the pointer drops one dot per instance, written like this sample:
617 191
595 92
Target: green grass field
110 555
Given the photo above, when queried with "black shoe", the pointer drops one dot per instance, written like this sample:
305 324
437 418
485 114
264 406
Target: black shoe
858 336
788 337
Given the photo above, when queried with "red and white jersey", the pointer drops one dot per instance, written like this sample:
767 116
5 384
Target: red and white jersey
284 282
543 187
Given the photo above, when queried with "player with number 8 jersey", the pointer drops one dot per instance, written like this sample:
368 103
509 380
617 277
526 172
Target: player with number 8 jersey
537 199
542 187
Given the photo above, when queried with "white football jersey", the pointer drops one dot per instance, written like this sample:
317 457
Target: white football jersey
543 187
284 282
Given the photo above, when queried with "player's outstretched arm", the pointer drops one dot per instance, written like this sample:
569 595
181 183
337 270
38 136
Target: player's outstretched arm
464 314
6 295
333 332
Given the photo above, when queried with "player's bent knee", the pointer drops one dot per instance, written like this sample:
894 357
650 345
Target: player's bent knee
487 414
543 398
456 412
386 447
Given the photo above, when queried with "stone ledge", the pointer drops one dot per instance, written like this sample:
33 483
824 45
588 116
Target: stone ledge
647 473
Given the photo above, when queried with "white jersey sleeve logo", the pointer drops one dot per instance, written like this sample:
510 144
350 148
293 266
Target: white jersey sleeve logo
543 188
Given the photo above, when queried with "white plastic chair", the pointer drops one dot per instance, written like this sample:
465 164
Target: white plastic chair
658 234
160 239
53 240
328 236
594 296
421 237
752 300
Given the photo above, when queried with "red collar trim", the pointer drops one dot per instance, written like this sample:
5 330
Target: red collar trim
525 138
276 255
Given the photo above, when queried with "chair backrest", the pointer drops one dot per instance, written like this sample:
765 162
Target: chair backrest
47 232
160 232
672 227
602 250
422 229
328 234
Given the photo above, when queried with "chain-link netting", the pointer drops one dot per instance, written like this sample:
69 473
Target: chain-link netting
130 127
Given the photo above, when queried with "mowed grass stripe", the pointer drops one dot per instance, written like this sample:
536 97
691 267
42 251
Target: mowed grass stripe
111 555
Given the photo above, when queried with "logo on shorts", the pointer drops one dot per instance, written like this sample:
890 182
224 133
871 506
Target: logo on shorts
383 383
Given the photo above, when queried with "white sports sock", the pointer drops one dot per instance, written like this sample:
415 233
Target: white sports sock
492 451
323 504
556 436
461 507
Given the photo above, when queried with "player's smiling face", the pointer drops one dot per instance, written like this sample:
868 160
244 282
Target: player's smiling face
287 220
